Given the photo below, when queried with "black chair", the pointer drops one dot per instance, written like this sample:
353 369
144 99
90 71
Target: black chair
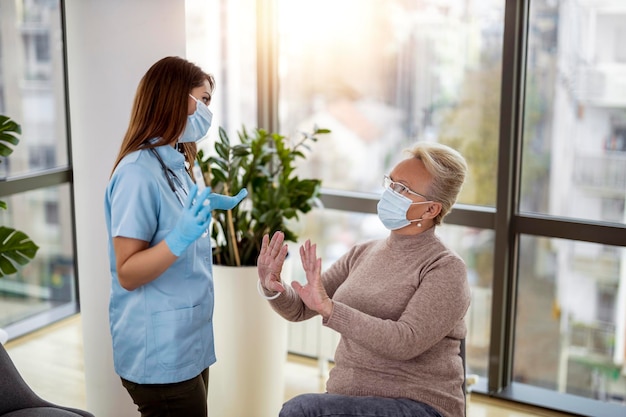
18 400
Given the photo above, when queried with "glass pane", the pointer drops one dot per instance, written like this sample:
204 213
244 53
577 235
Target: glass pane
335 232
383 74
221 38
570 322
574 155
32 87
48 281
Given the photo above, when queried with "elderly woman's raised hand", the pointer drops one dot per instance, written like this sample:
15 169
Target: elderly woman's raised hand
313 294
270 261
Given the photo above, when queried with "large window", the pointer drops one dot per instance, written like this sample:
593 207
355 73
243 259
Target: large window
570 318
532 92
383 74
222 40
36 177
571 305
574 145
565 330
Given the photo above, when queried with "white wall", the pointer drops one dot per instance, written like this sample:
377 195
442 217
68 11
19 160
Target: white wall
110 45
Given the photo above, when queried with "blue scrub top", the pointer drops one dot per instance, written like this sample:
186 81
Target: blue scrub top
162 331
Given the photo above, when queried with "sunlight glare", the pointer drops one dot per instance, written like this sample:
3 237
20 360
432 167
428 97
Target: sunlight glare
323 21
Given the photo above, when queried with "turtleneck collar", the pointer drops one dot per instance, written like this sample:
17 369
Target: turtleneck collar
399 242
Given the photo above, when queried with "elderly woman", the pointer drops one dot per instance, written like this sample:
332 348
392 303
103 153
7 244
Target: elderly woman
398 303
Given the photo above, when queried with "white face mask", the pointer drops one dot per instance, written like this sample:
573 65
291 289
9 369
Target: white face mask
198 123
393 208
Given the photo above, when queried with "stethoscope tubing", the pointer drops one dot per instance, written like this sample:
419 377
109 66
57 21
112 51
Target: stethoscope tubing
167 172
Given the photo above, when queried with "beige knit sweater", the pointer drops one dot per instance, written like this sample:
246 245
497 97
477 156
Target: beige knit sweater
399 305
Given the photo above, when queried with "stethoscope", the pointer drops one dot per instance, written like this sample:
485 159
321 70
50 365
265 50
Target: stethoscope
172 178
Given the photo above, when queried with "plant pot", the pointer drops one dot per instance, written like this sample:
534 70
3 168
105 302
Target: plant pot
251 348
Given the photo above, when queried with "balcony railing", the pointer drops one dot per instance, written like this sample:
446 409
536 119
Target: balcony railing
604 173
601 85
592 341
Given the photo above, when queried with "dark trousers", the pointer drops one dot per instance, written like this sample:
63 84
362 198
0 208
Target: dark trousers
332 405
180 399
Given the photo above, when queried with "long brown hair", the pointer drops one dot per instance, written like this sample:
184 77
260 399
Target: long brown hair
160 106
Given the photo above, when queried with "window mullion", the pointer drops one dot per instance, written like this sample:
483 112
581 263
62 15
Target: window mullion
506 238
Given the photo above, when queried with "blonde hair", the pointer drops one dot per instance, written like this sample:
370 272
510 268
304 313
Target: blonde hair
447 168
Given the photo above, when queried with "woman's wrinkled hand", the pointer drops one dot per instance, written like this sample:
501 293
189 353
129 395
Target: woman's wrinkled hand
270 262
313 294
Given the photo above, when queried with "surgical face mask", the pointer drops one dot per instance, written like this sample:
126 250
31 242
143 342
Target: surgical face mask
393 208
198 123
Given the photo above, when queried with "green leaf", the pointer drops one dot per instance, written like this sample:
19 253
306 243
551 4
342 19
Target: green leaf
8 135
16 248
240 151
219 163
222 150
224 137
217 177
264 163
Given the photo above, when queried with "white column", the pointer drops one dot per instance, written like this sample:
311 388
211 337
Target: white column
110 45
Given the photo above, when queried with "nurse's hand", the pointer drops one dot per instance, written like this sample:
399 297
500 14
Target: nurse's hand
225 202
192 223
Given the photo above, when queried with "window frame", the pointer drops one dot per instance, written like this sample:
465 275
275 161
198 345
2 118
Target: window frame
42 179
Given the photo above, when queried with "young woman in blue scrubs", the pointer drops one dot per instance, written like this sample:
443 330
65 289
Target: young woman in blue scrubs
161 303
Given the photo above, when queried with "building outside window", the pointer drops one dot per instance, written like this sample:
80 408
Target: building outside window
574 166
36 176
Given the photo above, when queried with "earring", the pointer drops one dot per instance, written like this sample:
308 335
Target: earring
419 223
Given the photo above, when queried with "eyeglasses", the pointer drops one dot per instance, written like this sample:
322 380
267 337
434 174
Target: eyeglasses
401 188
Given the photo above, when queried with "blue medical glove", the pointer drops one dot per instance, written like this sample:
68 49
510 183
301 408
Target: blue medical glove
193 221
224 202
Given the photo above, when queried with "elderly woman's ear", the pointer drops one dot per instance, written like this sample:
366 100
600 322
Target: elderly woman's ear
433 210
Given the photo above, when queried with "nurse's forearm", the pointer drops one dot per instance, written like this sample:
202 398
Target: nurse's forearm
144 266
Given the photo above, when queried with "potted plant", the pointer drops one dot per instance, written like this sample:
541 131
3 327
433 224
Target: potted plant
264 163
16 248
250 338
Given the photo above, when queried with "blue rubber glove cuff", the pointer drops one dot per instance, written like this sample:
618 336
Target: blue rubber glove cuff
177 243
192 223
